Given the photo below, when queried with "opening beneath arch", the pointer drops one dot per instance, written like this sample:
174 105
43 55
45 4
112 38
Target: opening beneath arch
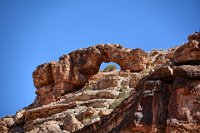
110 66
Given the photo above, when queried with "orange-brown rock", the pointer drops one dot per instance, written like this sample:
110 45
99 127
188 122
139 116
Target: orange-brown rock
194 36
154 92
189 53
78 66
73 70
160 105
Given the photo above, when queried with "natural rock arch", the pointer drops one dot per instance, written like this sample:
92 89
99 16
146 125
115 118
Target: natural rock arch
78 66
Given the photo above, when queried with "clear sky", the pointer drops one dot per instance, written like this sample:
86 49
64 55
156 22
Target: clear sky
33 32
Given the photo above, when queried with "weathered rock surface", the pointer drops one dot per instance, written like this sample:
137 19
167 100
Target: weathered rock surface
189 53
74 69
154 92
78 66
98 98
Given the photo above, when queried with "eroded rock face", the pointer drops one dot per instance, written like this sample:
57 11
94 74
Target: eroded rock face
167 101
159 105
73 70
155 92
97 99
78 66
189 53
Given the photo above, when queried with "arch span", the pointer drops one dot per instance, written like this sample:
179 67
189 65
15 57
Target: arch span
73 70
78 66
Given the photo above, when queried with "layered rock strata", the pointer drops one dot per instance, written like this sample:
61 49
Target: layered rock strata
154 92
72 71
167 100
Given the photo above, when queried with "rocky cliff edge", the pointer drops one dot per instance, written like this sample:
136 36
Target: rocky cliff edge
154 92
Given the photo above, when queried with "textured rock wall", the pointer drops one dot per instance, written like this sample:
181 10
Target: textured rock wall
78 66
168 100
155 92
73 70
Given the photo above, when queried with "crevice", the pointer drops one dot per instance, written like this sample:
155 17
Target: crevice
162 104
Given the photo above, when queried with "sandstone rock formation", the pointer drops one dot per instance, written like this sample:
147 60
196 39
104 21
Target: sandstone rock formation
154 92
189 53
73 70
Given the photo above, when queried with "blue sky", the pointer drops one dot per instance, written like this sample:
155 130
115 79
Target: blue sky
33 32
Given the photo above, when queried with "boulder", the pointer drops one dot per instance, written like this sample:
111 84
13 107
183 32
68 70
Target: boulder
187 54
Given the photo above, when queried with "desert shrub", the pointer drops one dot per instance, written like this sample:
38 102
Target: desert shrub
109 68
124 94
116 103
